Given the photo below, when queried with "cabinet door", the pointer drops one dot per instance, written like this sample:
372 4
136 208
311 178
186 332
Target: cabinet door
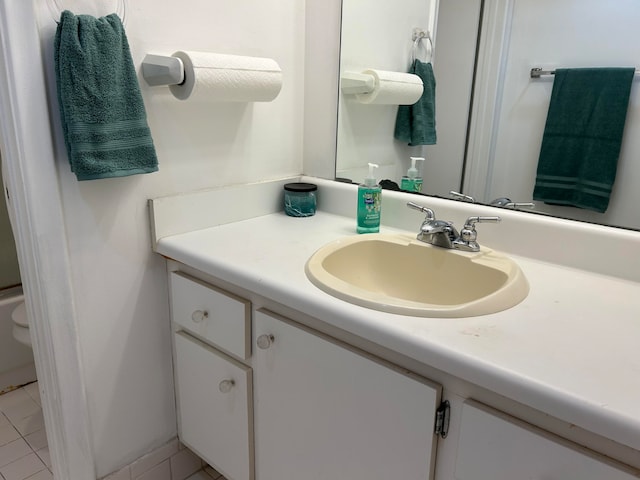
214 417
493 446
324 412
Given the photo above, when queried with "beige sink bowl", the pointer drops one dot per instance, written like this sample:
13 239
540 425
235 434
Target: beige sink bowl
399 274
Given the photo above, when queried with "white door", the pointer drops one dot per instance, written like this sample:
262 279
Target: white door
323 411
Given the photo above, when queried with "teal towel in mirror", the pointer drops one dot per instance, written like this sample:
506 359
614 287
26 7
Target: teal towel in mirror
582 137
416 124
103 117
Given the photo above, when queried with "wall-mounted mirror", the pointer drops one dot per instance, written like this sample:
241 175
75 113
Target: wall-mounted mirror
489 142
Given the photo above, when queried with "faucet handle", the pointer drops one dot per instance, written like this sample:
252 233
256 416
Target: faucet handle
471 221
430 213
462 196
507 203
520 205
469 235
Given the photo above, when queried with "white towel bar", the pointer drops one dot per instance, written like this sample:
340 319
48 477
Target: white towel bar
539 72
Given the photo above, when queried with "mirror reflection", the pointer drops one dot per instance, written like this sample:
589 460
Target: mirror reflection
489 143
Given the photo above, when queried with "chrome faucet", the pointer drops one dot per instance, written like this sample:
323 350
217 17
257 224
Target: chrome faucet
442 233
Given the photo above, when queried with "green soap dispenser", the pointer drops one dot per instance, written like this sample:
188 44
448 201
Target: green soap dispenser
411 182
369 203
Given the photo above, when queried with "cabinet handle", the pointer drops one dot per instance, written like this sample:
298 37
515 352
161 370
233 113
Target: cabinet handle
225 386
199 315
265 341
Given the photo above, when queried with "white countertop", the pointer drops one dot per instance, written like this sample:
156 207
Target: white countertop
570 349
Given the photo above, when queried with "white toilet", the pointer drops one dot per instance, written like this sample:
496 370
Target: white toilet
17 366
21 325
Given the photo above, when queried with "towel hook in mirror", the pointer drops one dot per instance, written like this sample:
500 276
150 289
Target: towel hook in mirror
56 10
418 35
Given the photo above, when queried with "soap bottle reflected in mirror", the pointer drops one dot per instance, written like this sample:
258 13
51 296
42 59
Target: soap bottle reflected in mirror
412 181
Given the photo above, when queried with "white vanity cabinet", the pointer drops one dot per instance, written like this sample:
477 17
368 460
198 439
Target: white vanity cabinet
325 411
213 390
302 405
263 397
494 446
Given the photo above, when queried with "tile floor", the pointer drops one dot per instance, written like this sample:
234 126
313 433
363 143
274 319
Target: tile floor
24 453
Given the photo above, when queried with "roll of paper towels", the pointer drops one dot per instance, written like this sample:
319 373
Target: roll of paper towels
217 77
392 88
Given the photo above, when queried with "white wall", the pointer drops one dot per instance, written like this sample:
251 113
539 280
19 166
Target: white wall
456 38
119 285
552 34
322 50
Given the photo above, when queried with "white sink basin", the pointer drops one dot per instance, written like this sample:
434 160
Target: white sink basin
399 274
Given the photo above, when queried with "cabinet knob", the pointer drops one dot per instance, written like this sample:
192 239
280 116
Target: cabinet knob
225 386
199 315
265 341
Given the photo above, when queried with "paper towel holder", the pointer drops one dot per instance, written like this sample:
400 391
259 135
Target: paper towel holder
353 83
162 70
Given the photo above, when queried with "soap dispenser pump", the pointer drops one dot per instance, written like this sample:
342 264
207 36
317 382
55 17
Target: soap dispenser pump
411 182
369 203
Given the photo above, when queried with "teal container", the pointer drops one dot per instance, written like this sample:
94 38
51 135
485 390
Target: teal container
300 199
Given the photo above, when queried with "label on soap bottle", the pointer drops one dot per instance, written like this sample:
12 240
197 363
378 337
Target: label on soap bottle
411 184
369 203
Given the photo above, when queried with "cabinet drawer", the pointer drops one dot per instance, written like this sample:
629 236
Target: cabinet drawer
494 446
214 419
216 316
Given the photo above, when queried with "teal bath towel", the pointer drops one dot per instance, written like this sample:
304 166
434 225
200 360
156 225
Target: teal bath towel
103 117
416 124
583 136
